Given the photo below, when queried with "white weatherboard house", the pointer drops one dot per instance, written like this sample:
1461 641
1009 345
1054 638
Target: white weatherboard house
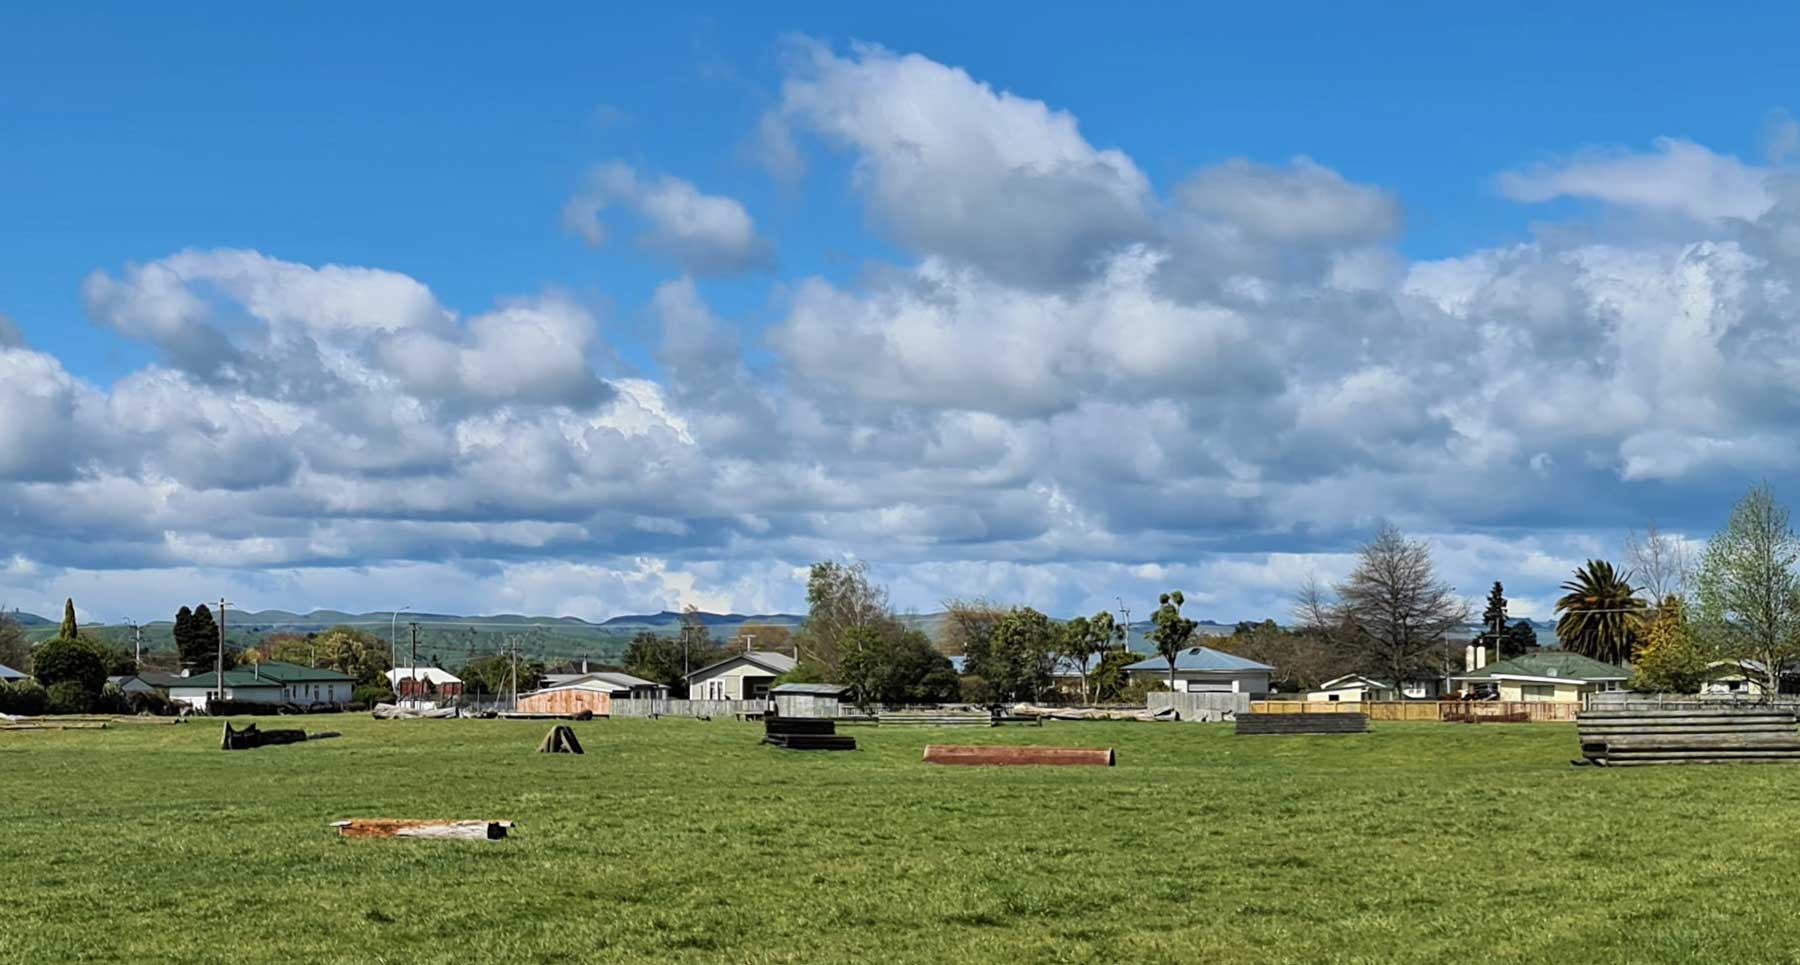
1205 670
746 676
200 689
1355 688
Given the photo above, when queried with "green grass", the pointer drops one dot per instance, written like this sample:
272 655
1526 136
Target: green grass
686 841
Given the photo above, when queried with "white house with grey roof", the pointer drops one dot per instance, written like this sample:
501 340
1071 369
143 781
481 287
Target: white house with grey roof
1205 670
744 676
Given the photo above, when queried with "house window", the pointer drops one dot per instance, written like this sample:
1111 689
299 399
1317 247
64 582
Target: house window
1332 697
1538 692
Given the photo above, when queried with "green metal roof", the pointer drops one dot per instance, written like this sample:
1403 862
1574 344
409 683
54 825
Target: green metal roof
1550 663
292 673
233 678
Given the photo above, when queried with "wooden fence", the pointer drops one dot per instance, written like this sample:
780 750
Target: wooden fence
1534 711
646 707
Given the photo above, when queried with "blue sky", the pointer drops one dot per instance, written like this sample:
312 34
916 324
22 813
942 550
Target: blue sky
1499 169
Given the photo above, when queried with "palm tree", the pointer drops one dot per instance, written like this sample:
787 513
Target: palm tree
1601 615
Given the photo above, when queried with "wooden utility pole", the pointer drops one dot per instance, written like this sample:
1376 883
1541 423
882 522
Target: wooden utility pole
515 674
219 666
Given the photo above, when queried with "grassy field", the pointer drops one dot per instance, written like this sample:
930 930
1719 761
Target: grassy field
687 841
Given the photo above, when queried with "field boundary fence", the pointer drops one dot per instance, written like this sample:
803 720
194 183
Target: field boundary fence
1439 710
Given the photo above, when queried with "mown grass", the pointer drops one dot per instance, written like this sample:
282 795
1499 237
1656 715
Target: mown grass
686 841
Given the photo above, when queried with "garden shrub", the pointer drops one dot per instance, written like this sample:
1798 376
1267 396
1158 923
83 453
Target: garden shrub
69 697
23 698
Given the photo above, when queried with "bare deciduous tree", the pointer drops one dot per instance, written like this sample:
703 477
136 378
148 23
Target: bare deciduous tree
1392 615
1660 561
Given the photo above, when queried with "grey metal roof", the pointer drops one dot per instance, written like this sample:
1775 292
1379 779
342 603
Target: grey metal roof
1202 660
8 673
819 690
775 663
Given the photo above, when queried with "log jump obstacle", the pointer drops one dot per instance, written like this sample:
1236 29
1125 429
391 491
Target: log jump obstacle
233 739
406 828
1627 738
1302 724
1003 756
805 734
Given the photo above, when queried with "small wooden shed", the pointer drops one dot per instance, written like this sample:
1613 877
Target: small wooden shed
592 692
807 700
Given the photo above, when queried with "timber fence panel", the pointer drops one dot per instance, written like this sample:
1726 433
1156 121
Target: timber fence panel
1434 710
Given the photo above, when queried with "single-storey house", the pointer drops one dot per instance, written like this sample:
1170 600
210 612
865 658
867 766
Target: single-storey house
1547 675
9 675
744 676
1355 688
1745 679
592 692
1205 670
131 684
307 686
199 690
807 700
424 682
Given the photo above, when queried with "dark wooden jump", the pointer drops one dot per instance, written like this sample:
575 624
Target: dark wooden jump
1628 738
805 734
1302 723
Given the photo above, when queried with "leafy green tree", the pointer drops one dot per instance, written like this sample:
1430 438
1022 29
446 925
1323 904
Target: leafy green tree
1079 640
1018 655
1669 660
1505 639
352 651
64 660
1169 630
15 647
197 638
892 665
839 598
69 630
1302 659
1518 640
1747 589
668 660
1109 678
1602 614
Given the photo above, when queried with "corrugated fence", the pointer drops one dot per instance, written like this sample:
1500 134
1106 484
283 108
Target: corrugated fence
1200 706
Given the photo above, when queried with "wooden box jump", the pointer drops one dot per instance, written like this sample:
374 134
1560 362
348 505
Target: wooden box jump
805 734
1302 723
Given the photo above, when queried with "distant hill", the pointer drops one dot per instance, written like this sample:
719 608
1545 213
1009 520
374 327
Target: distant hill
452 640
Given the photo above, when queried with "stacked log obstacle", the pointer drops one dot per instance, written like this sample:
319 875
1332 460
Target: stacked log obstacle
405 828
805 734
249 737
1628 738
1303 723
560 740
1001 756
